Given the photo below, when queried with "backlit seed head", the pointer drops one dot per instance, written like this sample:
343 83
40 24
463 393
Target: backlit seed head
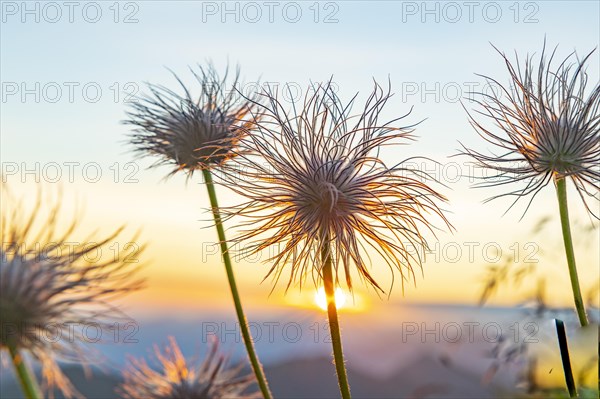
546 124
314 183
179 378
189 133
50 291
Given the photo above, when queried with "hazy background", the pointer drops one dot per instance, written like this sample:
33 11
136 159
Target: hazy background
67 74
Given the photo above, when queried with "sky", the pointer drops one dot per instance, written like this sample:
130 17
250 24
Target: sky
68 73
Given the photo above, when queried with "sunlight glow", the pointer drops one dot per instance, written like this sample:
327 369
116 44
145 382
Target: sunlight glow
321 298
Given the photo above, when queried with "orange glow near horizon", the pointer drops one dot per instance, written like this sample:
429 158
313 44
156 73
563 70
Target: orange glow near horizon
184 271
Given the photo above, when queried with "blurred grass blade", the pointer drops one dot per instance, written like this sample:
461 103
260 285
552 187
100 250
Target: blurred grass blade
566 359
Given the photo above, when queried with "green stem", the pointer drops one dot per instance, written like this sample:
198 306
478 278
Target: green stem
334 326
256 366
561 191
29 384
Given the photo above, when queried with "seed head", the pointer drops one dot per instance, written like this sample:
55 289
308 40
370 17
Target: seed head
189 133
181 379
314 183
50 291
546 125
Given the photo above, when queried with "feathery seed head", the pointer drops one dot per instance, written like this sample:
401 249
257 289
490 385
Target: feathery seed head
314 183
548 127
189 133
48 291
181 379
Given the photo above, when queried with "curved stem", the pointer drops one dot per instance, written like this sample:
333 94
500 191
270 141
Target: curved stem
256 366
561 191
26 377
334 326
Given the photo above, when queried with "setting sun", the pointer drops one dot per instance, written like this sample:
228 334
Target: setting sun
321 298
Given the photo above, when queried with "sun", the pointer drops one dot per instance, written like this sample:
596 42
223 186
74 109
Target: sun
321 298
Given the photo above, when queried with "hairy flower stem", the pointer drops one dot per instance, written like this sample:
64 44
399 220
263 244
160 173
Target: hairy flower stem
256 366
334 325
29 384
561 191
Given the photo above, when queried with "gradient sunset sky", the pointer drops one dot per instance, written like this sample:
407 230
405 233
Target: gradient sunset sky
426 60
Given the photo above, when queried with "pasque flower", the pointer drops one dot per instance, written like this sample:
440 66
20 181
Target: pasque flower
313 180
184 379
52 288
547 126
318 193
199 134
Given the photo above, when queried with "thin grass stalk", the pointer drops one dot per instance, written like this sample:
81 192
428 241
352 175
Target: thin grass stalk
239 310
561 191
29 384
334 325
